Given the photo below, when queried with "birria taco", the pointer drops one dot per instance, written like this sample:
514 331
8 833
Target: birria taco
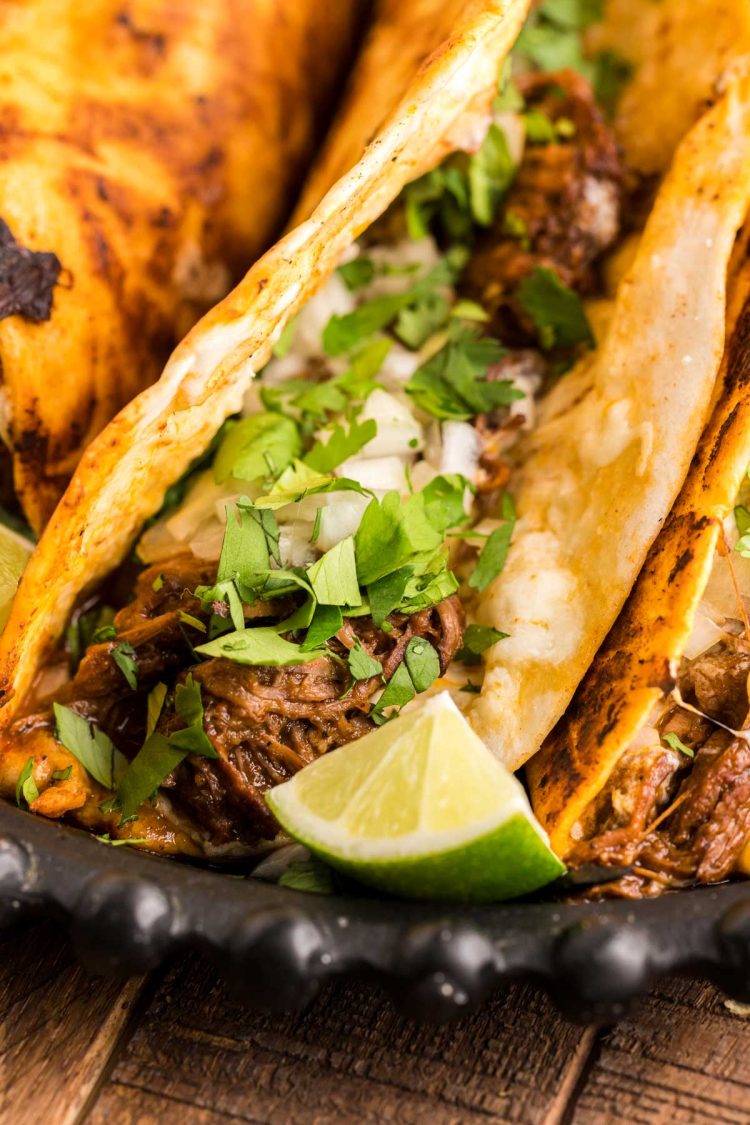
148 154
424 446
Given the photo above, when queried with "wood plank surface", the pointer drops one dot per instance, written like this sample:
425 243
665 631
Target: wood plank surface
76 1049
58 1027
686 1058
197 1057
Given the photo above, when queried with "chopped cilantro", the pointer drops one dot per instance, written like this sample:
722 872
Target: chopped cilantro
361 665
154 761
315 533
334 576
344 333
154 706
105 838
310 875
299 481
477 639
397 693
357 273
102 634
392 534
341 445
611 72
157 583
423 663
259 446
189 706
453 383
385 594
62 775
326 622
259 646
490 174
26 788
193 622
90 745
495 550
124 655
416 324
540 130
556 310
419 669
674 741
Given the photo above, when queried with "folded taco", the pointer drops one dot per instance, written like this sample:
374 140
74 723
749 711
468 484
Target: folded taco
148 154
646 781
424 446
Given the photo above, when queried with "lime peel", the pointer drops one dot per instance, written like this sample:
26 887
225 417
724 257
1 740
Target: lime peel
420 808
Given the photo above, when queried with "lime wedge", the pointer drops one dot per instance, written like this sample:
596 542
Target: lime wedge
14 554
420 808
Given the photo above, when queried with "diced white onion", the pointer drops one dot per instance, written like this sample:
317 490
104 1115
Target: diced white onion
206 543
340 517
381 474
399 432
461 449
295 547
399 366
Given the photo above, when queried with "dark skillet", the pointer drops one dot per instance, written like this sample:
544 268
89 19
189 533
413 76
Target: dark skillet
127 911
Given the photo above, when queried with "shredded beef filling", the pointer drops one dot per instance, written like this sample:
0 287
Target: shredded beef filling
699 806
565 204
265 723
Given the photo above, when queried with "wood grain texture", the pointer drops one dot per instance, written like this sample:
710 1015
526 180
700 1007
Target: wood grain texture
58 1027
197 1057
684 1059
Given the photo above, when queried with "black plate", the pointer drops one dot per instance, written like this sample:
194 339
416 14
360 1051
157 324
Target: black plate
127 911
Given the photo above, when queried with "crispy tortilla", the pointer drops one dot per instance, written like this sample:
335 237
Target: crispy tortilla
602 470
635 666
128 468
149 153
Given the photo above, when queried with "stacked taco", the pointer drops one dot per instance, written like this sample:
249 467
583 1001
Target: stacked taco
132 138
424 446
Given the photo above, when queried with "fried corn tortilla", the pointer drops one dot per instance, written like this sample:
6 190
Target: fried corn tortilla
149 153
387 513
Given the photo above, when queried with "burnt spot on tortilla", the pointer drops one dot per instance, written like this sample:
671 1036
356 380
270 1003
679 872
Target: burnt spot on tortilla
27 279
680 563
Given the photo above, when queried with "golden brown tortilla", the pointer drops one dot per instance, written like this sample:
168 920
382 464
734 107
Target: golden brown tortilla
150 150
127 469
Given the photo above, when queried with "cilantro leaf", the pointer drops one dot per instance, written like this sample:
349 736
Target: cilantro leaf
444 500
572 14
674 741
490 173
154 706
334 576
357 273
90 746
397 693
189 706
428 589
26 787
415 325
385 594
102 634
62 775
611 72
361 665
124 655
310 875
423 663
261 445
477 639
341 445
257 647
556 310
495 550
299 481
343 333
392 535
326 622
244 550
453 383
284 343
152 764
742 518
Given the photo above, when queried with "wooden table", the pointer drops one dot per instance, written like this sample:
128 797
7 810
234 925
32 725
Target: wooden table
174 1048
